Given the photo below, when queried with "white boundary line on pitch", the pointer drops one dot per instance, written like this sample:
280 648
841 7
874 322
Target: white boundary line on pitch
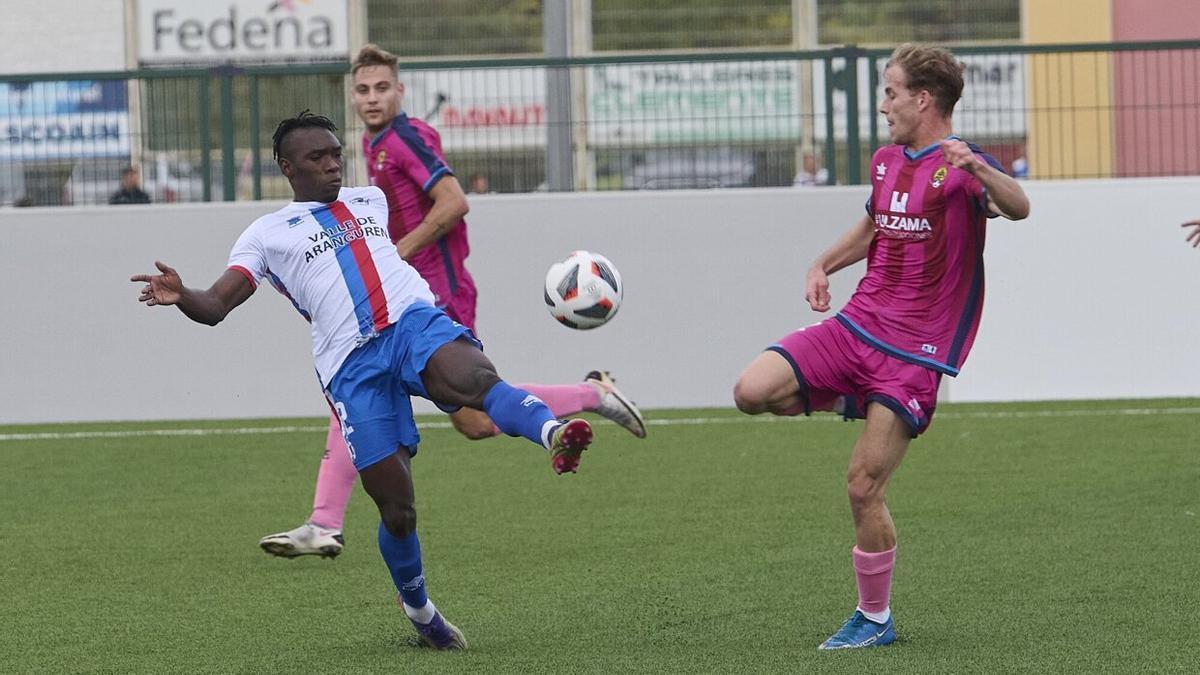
665 422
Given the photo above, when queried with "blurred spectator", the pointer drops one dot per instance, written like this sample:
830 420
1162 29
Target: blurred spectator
809 174
131 189
478 184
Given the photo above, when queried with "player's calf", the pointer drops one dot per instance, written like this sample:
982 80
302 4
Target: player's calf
518 413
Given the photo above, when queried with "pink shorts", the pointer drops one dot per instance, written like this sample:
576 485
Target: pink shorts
830 362
461 308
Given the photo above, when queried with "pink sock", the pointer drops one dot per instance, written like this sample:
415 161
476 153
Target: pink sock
874 574
564 400
335 481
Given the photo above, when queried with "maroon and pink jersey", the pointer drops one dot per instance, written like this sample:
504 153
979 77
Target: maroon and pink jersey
405 160
922 296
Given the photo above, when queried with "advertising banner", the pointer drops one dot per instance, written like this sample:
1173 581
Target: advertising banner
241 31
52 120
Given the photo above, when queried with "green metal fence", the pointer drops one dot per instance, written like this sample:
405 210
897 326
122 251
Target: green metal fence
633 122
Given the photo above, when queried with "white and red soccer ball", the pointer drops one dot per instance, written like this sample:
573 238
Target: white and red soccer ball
584 291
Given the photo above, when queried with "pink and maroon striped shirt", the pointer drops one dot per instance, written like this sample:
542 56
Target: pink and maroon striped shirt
922 295
405 160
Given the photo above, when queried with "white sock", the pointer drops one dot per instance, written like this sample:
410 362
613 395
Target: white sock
422 615
877 617
547 429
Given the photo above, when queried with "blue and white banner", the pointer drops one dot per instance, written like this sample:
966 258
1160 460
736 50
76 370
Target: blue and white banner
68 119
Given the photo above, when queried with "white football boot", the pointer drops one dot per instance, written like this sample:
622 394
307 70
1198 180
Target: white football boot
308 539
614 405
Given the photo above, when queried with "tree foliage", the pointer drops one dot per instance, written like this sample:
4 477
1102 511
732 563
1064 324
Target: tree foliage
889 22
453 28
619 25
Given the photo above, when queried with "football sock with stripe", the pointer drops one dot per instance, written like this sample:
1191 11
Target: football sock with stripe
403 558
564 400
517 412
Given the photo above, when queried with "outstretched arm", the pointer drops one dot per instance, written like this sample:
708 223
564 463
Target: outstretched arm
1194 235
208 307
1005 195
449 206
847 250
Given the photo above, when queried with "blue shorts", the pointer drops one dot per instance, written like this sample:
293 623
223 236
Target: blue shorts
369 392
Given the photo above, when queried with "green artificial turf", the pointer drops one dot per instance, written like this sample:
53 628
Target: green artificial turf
1053 537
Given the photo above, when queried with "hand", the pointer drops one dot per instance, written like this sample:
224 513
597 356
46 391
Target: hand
816 290
958 155
160 289
405 249
1194 235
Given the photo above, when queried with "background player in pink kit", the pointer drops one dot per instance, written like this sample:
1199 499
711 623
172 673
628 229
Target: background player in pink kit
377 340
912 319
426 208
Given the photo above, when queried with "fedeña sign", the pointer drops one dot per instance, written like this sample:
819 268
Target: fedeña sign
177 31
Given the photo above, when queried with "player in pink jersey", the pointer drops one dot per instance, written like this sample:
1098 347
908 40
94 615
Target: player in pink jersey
378 339
426 208
911 320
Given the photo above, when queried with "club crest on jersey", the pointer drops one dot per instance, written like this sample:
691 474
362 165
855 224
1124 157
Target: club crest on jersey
380 159
939 177
880 171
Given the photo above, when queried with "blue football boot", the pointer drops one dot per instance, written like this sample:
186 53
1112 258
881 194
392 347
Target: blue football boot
859 631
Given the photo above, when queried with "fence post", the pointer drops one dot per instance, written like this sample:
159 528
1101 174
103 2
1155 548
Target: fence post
255 121
873 99
850 84
830 142
228 164
557 41
205 141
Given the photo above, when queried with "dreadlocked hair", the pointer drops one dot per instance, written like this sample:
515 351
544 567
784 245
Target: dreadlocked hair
302 121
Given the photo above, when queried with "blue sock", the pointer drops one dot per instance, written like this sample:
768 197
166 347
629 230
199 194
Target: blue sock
403 558
517 412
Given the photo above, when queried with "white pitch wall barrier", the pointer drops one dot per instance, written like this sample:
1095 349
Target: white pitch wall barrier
1091 297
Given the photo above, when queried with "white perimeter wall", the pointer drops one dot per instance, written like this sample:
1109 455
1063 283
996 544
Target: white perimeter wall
57 36
1092 297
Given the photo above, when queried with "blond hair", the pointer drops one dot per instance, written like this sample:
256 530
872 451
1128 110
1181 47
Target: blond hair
933 69
373 55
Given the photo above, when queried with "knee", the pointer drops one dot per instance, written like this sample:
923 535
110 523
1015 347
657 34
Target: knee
482 381
471 390
749 398
400 520
864 489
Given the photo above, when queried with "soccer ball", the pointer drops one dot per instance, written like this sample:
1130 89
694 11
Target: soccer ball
584 291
